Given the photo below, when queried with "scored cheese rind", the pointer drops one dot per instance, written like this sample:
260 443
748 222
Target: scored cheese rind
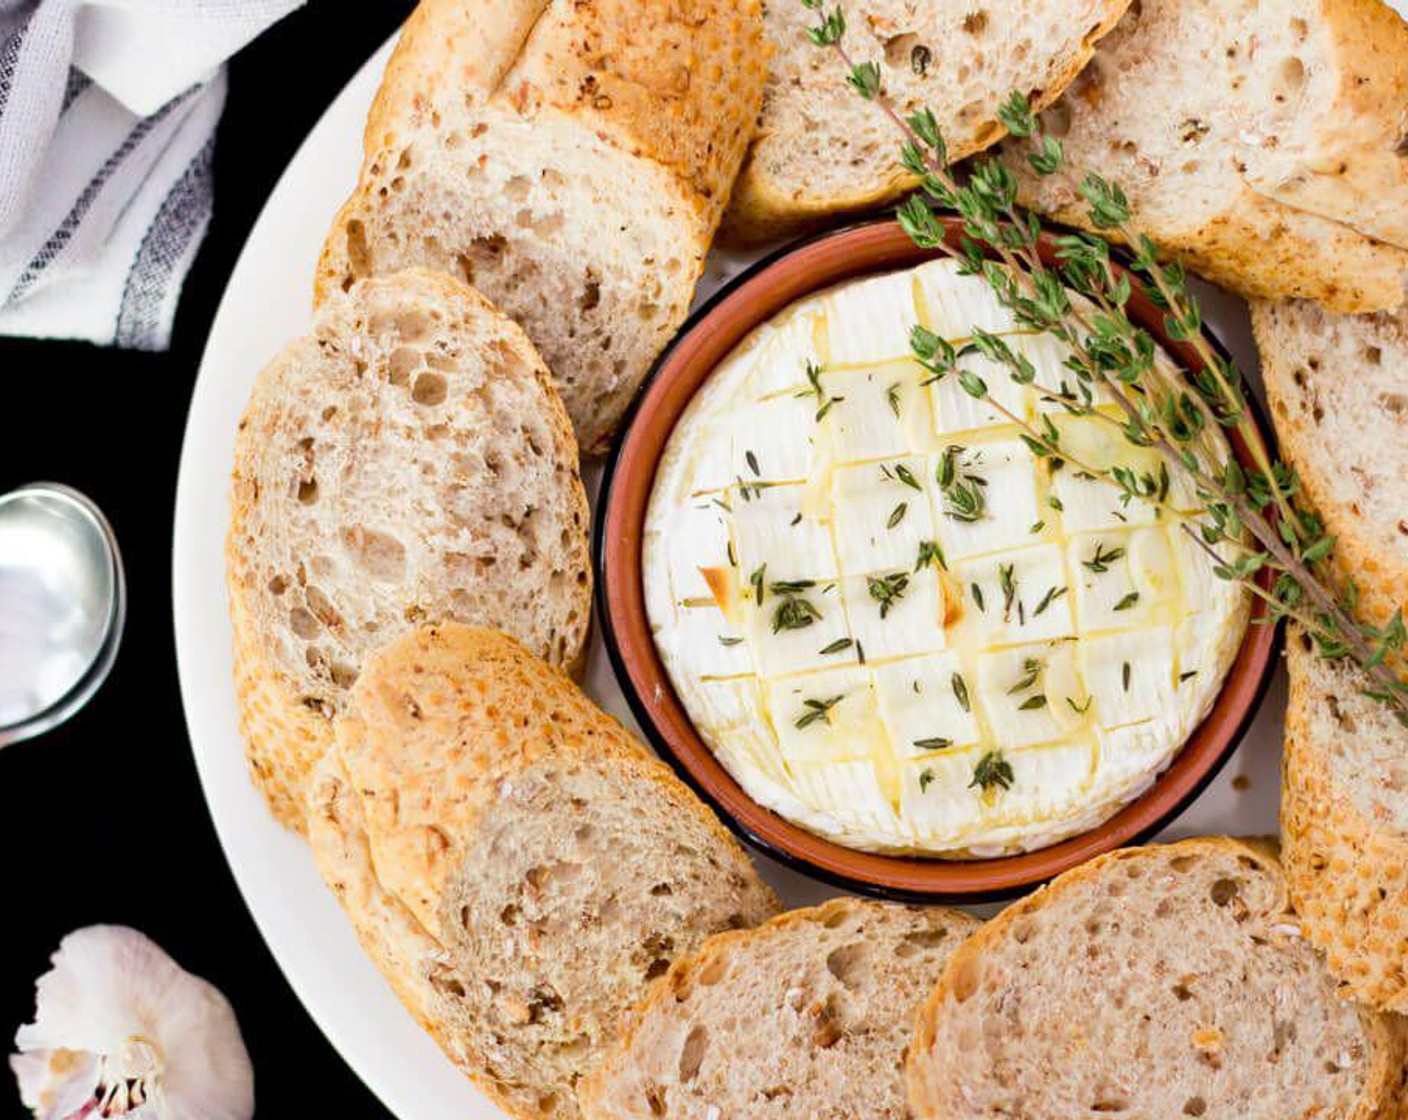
920 676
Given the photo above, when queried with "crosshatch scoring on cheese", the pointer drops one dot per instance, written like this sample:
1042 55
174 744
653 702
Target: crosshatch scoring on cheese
892 623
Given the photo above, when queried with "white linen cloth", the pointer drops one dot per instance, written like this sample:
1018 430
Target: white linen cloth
108 111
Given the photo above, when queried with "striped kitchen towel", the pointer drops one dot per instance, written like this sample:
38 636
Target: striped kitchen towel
108 111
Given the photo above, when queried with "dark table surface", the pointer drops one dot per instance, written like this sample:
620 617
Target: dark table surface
103 820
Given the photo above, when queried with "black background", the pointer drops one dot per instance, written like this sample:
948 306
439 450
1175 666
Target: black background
103 819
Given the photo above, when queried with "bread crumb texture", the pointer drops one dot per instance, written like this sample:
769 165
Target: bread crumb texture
1247 136
530 869
807 1016
1338 390
408 462
1165 981
1344 821
821 151
569 158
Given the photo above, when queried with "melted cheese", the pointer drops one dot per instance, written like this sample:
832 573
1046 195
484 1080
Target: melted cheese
893 665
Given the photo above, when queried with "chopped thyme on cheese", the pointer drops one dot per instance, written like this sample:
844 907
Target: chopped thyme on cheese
873 596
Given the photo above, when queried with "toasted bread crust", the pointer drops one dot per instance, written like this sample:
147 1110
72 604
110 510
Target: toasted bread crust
1348 873
285 725
447 728
1303 362
766 206
609 1092
1351 167
668 92
1386 1038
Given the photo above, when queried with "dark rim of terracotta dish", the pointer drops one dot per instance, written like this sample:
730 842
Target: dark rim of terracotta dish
750 299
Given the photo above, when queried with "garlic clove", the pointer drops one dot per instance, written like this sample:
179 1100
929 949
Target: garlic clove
120 1029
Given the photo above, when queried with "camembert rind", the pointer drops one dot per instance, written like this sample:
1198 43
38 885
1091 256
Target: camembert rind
892 623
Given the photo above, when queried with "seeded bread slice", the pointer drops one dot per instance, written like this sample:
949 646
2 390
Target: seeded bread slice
822 151
1181 105
1166 981
808 1015
408 461
1338 390
529 867
570 158
1344 825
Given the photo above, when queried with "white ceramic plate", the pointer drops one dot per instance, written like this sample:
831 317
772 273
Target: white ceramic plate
265 304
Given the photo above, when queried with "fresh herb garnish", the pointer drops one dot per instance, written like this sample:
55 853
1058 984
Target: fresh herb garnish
1188 676
752 461
897 515
1052 594
978 596
926 778
1008 583
1128 601
1080 709
892 394
960 692
794 613
725 640
905 475
756 579
1124 673
930 553
937 743
816 710
824 401
887 590
1100 560
1031 673
838 646
964 499
1032 703
993 771
1258 513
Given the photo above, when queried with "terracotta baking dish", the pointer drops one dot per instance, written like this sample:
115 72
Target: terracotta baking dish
748 301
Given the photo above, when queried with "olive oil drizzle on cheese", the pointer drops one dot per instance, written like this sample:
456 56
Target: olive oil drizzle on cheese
809 604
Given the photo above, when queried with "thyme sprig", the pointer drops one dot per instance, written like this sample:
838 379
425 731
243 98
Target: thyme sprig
1082 301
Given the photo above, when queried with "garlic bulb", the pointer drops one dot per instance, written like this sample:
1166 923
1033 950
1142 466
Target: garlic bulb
121 1030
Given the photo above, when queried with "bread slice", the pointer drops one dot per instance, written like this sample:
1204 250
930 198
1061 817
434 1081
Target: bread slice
822 151
570 158
1180 106
1344 825
1344 151
1338 390
513 860
408 461
806 1016
1166 981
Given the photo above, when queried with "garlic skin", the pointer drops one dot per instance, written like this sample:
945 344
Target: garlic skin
120 1029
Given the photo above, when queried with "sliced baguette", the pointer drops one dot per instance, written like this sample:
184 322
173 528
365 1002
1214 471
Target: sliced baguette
408 461
822 151
1344 151
1344 825
1179 106
1166 981
570 158
516 863
1338 390
808 1015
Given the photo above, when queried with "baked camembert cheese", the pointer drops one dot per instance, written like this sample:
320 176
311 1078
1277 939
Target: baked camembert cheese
893 623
